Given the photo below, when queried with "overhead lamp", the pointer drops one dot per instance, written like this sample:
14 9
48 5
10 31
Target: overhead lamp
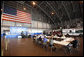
24 8
1 9
81 2
33 2
52 13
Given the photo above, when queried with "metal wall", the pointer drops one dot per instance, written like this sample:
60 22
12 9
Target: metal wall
39 20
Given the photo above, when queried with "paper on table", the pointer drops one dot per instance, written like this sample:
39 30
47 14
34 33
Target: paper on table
68 39
61 43
65 42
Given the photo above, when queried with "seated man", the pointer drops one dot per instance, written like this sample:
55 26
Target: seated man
34 38
39 40
42 36
51 44
29 36
68 48
75 43
45 42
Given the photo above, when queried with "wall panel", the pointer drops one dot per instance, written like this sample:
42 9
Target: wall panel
39 24
8 23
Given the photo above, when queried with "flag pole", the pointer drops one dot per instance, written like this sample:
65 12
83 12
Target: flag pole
31 23
2 13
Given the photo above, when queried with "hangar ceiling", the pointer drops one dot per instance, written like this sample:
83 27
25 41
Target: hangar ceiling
59 12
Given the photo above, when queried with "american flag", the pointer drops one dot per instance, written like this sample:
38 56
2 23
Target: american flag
15 15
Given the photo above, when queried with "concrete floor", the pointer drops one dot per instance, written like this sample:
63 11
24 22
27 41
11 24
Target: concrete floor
26 47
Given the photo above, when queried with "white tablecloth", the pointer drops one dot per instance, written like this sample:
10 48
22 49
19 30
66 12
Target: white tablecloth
64 42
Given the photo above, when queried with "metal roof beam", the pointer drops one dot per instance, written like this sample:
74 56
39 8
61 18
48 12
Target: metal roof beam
67 12
45 13
55 11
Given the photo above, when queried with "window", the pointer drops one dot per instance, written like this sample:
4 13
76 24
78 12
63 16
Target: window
79 31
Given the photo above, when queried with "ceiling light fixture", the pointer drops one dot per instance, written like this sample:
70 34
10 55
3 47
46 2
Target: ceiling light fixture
1 9
81 2
52 13
24 8
33 3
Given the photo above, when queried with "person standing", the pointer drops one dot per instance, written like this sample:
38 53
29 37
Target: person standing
22 34
3 46
4 34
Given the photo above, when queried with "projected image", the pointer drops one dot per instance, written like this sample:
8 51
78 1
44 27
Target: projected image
17 30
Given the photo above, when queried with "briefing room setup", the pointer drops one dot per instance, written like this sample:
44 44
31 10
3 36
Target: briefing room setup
42 28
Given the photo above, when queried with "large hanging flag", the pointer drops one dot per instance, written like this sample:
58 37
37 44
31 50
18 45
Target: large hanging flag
15 15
